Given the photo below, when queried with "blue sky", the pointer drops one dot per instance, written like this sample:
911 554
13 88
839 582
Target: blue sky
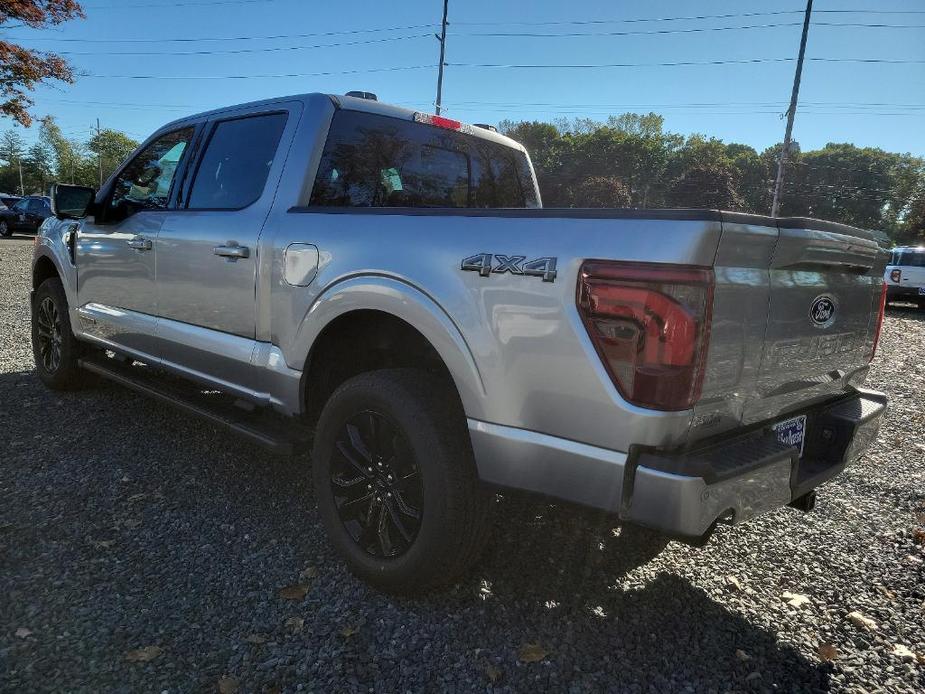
875 104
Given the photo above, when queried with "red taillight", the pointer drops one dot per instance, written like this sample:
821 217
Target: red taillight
650 324
880 311
896 275
439 121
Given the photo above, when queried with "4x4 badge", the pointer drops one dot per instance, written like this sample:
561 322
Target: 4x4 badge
487 263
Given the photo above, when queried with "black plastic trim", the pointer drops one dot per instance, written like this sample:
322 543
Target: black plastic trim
594 213
282 436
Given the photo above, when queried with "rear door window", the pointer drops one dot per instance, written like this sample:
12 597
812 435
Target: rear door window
234 167
378 161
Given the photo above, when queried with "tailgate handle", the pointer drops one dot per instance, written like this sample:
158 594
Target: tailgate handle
844 266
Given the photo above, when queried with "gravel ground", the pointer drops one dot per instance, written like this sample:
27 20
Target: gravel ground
140 551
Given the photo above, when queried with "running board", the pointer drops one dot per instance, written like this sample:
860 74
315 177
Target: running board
272 431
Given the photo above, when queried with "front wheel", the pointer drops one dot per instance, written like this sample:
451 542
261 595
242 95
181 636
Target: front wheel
396 482
54 346
5 230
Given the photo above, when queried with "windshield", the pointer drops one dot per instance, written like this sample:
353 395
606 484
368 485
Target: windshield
378 161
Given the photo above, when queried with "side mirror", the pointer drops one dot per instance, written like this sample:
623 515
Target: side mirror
71 202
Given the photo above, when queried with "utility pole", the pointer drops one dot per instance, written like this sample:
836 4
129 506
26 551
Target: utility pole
791 112
22 188
442 39
99 153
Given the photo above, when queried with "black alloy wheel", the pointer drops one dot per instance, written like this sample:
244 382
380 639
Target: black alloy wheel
377 485
48 325
396 482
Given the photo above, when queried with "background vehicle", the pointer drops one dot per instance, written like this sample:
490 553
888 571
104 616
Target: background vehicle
8 200
905 275
388 279
26 214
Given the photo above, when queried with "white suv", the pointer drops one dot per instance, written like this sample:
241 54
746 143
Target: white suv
905 275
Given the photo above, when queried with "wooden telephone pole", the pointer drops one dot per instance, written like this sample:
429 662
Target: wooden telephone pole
442 39
791 112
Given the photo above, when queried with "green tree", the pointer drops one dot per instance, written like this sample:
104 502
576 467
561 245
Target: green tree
68 154
709 186
843 182
11 152
112 147
37 168
583 163
601 191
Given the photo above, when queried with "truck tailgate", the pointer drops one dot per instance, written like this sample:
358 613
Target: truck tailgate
824 294
793 322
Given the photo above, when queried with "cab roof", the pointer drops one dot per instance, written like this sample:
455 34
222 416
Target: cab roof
349 103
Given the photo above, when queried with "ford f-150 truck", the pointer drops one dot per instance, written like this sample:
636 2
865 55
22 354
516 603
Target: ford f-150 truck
384 286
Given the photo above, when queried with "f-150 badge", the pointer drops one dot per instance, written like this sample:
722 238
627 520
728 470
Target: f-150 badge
487 263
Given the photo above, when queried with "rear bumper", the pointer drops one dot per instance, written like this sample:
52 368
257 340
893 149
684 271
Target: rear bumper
683 493
894 291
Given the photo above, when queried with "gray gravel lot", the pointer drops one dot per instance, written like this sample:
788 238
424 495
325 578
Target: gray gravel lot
125 526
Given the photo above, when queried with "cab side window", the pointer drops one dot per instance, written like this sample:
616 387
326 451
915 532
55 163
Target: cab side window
236 162
146 182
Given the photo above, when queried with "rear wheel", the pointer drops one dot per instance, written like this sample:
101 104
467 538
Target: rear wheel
396 482
54 346
5 230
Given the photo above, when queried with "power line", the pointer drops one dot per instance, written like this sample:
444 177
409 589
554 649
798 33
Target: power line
692 30
686 104
679 63
208 3
248 77
272 37
512 66
250 50
639 20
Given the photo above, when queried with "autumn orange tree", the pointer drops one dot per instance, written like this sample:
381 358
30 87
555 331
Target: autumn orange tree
22 69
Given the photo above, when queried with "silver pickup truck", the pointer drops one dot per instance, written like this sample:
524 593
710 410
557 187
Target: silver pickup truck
384 286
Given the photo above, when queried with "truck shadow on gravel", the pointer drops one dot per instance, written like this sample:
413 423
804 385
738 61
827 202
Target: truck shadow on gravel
596 596
203 529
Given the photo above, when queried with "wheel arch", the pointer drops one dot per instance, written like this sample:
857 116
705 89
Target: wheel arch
379 322
44 268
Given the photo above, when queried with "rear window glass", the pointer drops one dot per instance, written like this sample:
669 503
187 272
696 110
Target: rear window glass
909 258
378 161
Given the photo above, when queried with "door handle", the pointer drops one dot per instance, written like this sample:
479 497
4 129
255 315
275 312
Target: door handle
139 243
232 251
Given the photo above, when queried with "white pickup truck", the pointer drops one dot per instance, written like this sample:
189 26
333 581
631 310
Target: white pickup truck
387 282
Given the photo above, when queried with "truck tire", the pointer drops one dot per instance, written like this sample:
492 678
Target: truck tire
54 346
396 482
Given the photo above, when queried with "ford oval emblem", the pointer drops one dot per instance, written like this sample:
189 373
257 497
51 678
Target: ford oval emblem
822 311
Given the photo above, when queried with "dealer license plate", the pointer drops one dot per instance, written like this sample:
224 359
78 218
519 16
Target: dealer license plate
791 432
